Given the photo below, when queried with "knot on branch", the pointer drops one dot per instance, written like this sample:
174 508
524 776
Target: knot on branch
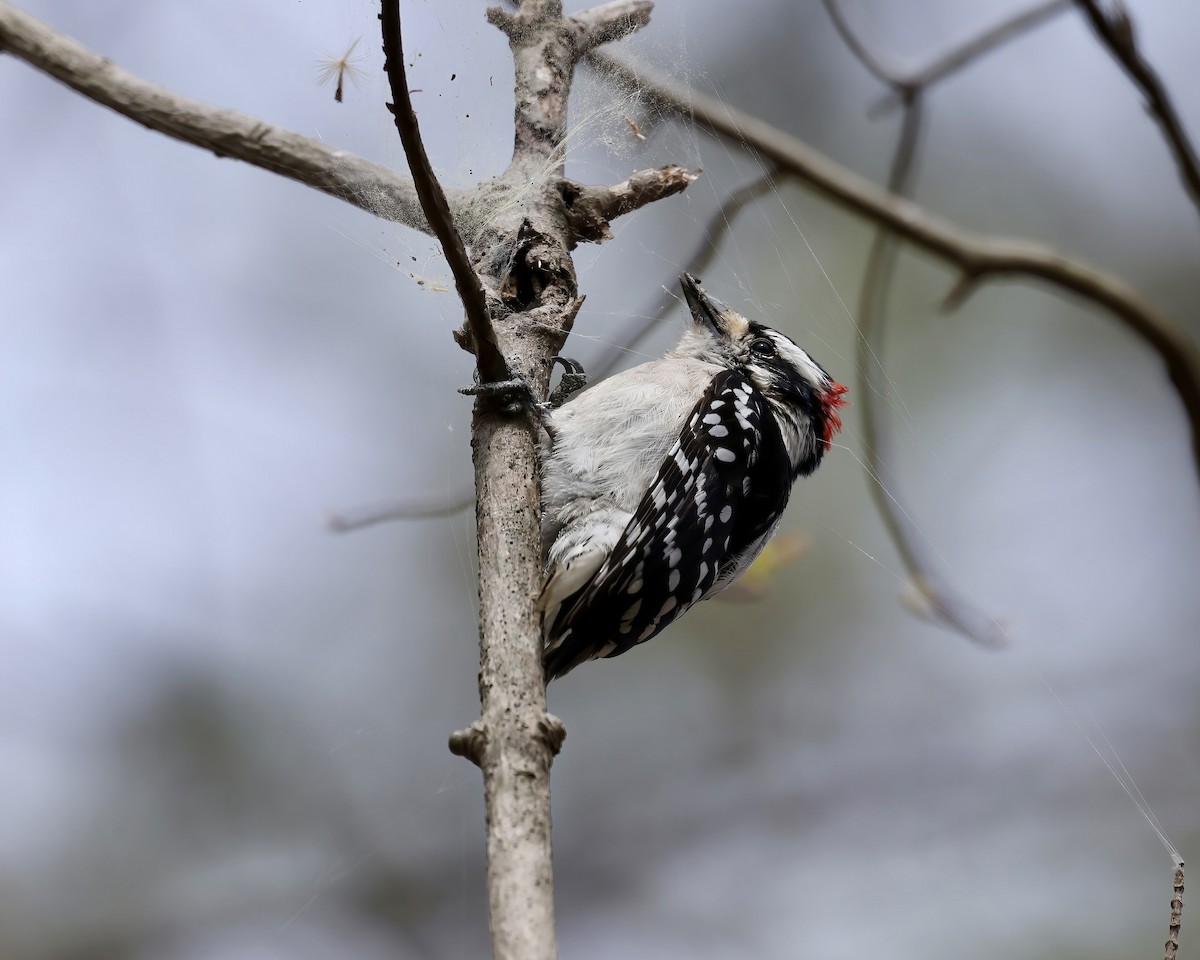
551 732
547 731
536 271
590 209
470 743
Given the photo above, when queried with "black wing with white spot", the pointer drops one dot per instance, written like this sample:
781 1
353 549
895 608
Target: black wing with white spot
713 503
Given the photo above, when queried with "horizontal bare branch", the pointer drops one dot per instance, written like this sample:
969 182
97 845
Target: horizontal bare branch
590 209
227 133
978 257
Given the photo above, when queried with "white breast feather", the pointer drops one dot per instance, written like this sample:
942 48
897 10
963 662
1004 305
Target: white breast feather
611 439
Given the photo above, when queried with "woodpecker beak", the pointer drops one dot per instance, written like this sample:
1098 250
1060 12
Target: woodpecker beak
706 311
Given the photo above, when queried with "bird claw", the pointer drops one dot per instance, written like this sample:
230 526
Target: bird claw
516 395
573 380
511 396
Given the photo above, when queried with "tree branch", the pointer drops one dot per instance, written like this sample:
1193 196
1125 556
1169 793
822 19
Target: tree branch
590 209
978 257
1116 31
609 22
957 57
1171 948
937 599
227 133
492 365
358 518
522 255
929 594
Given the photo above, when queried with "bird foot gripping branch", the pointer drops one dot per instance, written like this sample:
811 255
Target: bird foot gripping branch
516 395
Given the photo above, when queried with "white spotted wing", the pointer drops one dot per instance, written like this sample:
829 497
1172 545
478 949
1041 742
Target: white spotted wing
712 506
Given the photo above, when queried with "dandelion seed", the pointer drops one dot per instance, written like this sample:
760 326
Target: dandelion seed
428 283
347 65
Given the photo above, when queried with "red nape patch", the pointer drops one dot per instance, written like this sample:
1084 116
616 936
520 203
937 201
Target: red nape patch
831 400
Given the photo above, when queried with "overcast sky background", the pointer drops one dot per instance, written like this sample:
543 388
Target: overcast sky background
222 728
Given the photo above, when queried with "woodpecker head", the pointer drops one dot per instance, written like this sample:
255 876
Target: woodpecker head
804 397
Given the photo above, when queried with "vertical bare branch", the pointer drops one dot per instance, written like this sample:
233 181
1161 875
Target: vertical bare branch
1172 945
523 258
938 599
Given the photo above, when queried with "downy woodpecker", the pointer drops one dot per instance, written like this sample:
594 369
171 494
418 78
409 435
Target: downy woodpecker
662 484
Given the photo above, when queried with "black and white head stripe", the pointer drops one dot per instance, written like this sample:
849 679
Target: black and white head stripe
790 359
803 397
714 501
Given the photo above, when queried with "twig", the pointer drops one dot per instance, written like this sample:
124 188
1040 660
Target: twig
966 53
939 601
359 518
1116 31
1172 945
590 209
978 257
227 133
856 34
492 366
711 236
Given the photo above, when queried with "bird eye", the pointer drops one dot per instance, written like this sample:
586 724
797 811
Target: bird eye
763 347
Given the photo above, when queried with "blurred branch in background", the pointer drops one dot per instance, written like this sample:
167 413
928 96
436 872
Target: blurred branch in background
909 86
930 595
1115 30
855 30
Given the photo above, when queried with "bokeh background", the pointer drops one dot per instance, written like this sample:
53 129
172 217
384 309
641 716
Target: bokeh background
223 728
